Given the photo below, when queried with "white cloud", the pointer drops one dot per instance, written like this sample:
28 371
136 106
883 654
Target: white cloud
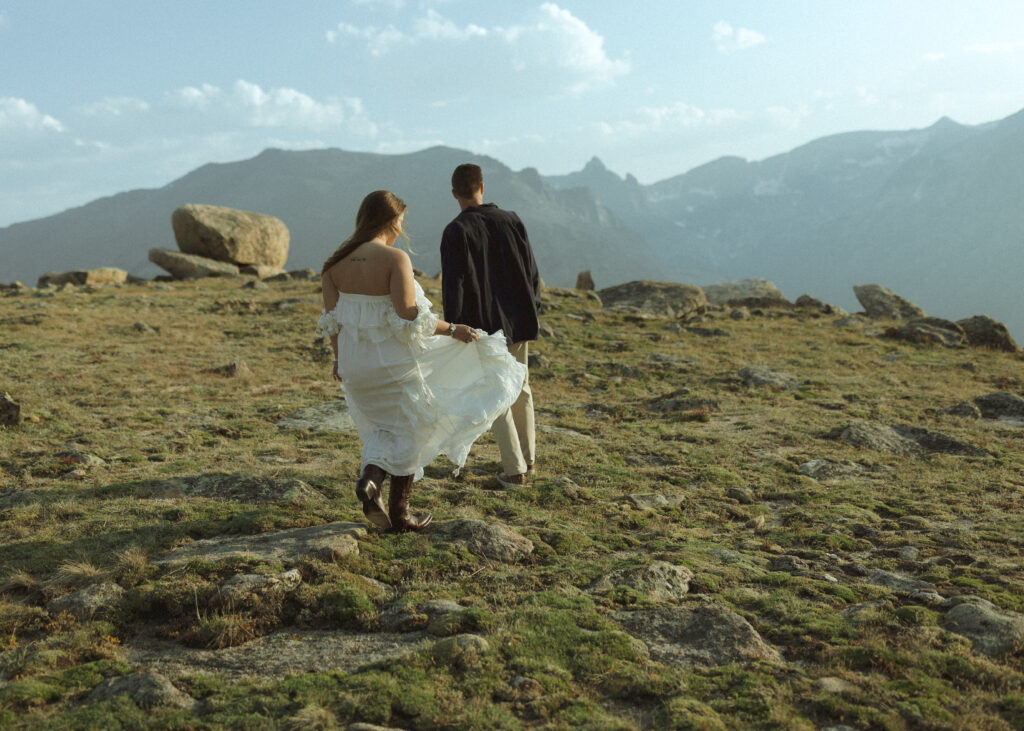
549 51
867 97
115 107
728 39
671 117
988 49
393 5
788 118
20 115
276 108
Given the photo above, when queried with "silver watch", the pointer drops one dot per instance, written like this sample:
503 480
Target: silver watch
451 329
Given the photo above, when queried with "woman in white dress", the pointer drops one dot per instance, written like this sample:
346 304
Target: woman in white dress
416 386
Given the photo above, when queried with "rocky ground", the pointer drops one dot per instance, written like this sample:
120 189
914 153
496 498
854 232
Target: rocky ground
744 515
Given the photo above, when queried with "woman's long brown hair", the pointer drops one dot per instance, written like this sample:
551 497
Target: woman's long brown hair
378 212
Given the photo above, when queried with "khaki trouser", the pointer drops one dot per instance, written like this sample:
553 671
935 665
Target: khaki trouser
513 430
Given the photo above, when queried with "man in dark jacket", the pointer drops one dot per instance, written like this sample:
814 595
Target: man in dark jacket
489 280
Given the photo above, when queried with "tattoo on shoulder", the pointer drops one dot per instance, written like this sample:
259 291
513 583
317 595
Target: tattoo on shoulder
358 258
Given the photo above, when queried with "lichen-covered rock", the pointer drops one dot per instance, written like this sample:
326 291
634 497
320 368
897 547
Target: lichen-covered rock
80 277
906 440
482 538
660 581
244 587
667 299
992 631
761 376
883 304
929 330
148 690
189 266
585 281
330 416
230 235
984 332
88 602
325 542
741 289
699 633
460 649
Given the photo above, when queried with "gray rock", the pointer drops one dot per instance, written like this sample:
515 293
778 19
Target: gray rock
742 495
836 685
722 292
984 332
305 275
789 564
653 501
874 605
806 302
88 602
482 538
657 298
660 581
929 330
329 416
237 368
906 440
10 411
926 598
255 284
898 582
739 313
585 281
670 405
825 470
761 376
993 632
247 586
187 266
702 633
1002 405
240 488
460 648
148 690
230 235
965 409
326 541
883 304
105 275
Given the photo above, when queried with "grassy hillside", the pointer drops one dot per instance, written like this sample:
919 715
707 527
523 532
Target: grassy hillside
137 441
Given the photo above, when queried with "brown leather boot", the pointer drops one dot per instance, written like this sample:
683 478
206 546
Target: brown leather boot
398 506
370 490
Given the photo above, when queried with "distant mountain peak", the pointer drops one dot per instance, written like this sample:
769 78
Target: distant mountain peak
594 166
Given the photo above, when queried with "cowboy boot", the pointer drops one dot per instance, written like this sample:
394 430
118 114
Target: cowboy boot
398 506
369 489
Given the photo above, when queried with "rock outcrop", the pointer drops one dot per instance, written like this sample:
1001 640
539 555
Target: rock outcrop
883 304
984 332
924 330
742 289
585 281
188 266
229 235
80 277
657 298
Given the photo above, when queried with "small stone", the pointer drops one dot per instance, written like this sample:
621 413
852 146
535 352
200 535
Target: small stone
653 501
10 411
909 553
836 685
756 523
926 598
761 376
148 690
460 648
244 586
742 495
144 328
88 602
789 564
256 284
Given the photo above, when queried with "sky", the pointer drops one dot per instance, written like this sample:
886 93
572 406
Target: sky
111 95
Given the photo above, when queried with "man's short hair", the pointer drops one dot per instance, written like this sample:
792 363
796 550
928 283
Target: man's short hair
467 179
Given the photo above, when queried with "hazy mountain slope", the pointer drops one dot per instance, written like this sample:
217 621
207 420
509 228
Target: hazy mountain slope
316 193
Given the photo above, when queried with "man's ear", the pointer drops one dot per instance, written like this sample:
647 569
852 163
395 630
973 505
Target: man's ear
454 194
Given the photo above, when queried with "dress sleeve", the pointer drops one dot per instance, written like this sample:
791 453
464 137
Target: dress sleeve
328 325
420 327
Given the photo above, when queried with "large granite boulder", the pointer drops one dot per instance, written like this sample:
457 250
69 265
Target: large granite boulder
993 631
984 332
230 235
742 289
188 266
657 298
883 304
103 275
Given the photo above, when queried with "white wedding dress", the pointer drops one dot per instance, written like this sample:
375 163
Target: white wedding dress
414 395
